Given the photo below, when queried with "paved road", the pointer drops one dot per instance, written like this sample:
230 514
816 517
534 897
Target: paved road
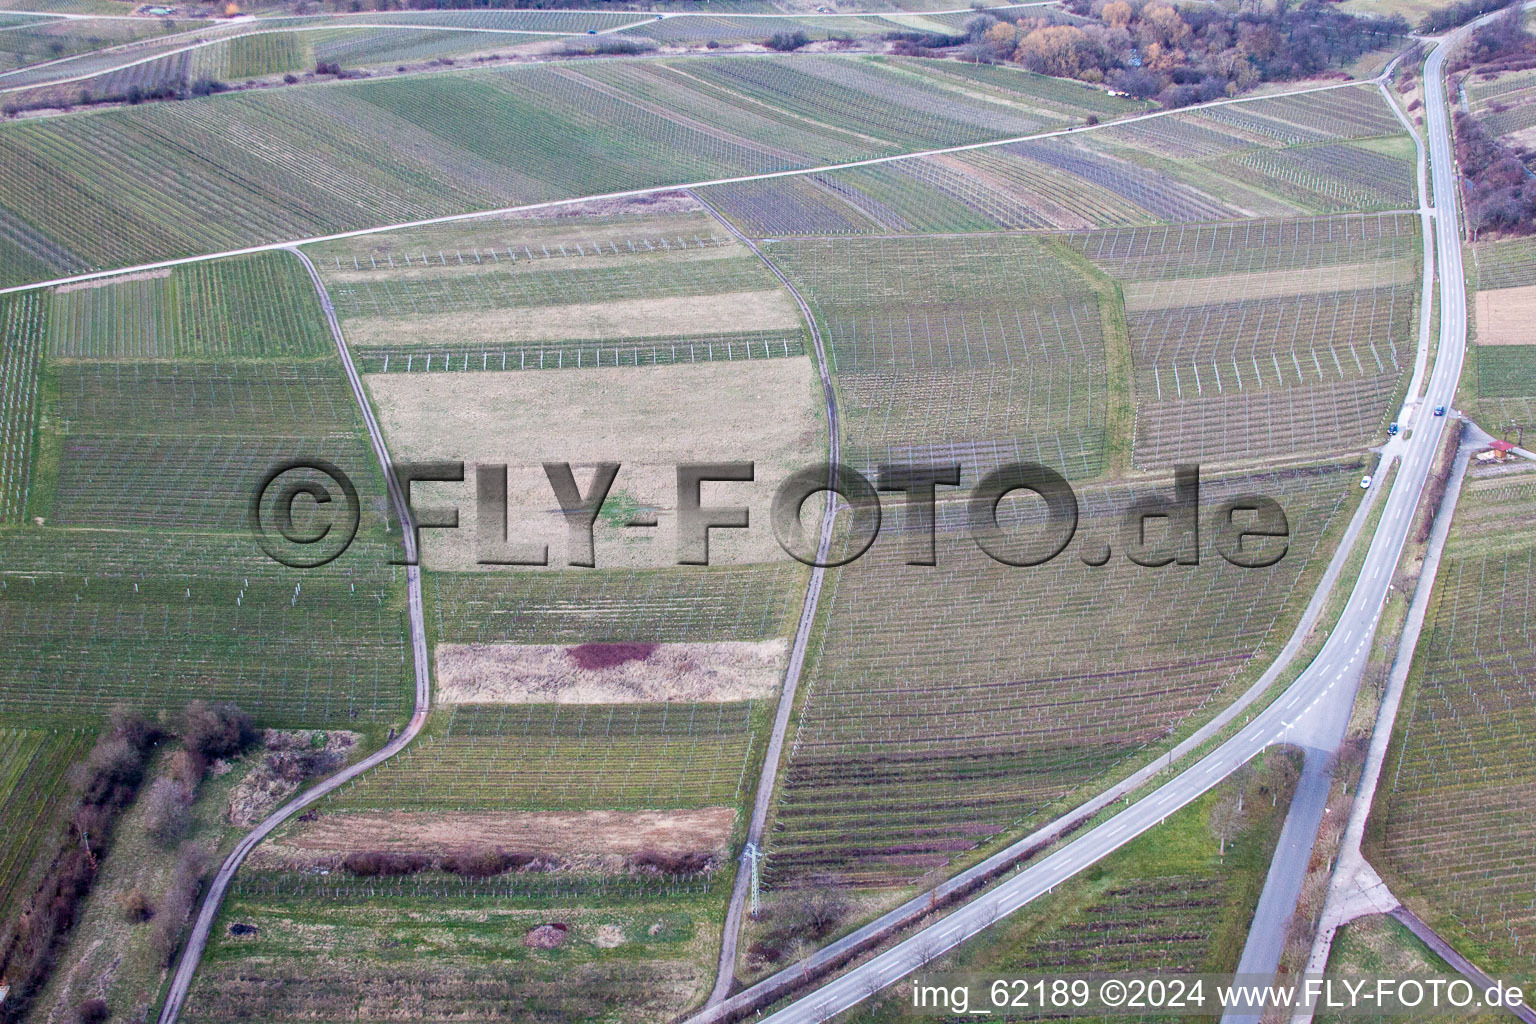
1355 889
1312 710
655 190
1288 868
1261 954
921 905
181 981
725 971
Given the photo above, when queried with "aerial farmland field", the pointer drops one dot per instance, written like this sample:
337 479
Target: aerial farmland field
420 594
1453 776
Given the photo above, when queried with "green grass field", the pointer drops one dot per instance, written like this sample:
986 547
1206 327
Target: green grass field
573 757
551 132
1170 901
33 766
354 952
129 575
1264 339
980 349
970 695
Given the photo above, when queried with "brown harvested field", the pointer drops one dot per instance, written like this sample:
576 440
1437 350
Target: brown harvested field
771 309
1505 316
648 419
595 840
552 674
1141 296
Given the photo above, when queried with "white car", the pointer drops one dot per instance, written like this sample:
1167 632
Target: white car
1365 483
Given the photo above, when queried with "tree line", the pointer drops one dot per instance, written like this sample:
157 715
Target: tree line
1181 55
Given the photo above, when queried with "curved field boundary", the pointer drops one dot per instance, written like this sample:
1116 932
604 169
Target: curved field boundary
181 981
725 977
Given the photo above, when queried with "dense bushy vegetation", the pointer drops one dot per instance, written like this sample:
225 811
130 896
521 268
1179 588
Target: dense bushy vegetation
484 863
105 784
609 46
1497 184
1187 54
216 730
382 863
1500 192
1501 45
784 42
1458 13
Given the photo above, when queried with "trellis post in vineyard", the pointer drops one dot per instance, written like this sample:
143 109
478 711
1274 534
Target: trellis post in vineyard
753 854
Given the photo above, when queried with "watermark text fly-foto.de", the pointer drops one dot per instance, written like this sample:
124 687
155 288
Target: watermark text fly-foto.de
1249 531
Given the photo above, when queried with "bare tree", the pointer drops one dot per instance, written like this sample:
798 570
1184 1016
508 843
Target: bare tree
1225 819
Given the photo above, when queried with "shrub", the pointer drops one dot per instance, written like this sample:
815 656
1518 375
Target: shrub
379 862
187 767
208 86
111 774
484 863
610 46
168 816
180 898
327 67
290 78
671 863
785 42
135 906
92 1011
216 730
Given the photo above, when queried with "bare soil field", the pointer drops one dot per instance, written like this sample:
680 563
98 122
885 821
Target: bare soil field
1505 316
607 673
1148 295
648 419
591 840
671 316
104 282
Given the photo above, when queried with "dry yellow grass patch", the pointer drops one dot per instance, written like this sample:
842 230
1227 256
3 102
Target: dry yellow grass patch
649 419
1505 316
585 838
107 282
770 309
550 674
1148 295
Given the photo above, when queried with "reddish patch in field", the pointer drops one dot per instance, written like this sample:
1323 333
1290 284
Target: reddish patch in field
546 936
593 656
